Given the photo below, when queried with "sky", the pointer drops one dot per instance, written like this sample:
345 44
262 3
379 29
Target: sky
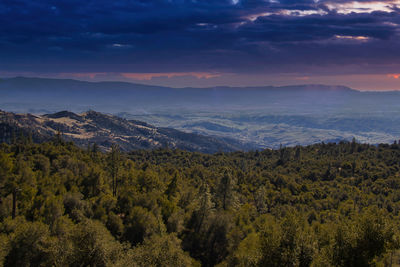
203 43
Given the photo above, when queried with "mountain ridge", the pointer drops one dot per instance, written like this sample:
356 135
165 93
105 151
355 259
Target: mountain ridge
104 130
125 83
42 95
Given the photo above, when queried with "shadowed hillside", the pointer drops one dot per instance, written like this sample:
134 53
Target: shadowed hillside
104 130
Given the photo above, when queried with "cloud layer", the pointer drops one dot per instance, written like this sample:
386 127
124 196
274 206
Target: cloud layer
204 37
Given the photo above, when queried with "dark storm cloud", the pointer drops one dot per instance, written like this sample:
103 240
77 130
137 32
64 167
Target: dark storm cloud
162 35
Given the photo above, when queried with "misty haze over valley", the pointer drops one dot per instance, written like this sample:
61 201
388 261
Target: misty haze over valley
263 117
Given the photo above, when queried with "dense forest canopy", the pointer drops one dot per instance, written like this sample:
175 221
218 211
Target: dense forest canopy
320 205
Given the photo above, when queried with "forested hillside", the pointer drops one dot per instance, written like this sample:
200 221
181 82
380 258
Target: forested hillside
320 205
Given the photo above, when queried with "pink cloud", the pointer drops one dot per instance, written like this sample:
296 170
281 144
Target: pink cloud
149 76
395 76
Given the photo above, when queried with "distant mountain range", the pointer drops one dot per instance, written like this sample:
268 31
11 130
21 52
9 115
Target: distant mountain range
265 116
104 130
38 95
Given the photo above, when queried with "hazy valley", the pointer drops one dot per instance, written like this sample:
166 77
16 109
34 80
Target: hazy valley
261 117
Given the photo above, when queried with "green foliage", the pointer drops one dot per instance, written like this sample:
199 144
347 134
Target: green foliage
321 205
161 251
288 243
358 243
94 245
29 243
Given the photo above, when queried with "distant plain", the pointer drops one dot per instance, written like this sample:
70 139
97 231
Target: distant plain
265 117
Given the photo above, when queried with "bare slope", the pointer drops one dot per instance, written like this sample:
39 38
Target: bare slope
104 130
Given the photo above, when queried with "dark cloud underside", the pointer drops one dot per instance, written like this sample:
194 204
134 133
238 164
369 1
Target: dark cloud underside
248 36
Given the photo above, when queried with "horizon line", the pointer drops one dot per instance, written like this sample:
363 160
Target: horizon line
193 87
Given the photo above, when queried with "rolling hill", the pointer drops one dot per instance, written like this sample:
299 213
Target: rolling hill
104 130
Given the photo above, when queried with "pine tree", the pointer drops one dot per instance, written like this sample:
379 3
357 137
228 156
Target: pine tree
114 161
